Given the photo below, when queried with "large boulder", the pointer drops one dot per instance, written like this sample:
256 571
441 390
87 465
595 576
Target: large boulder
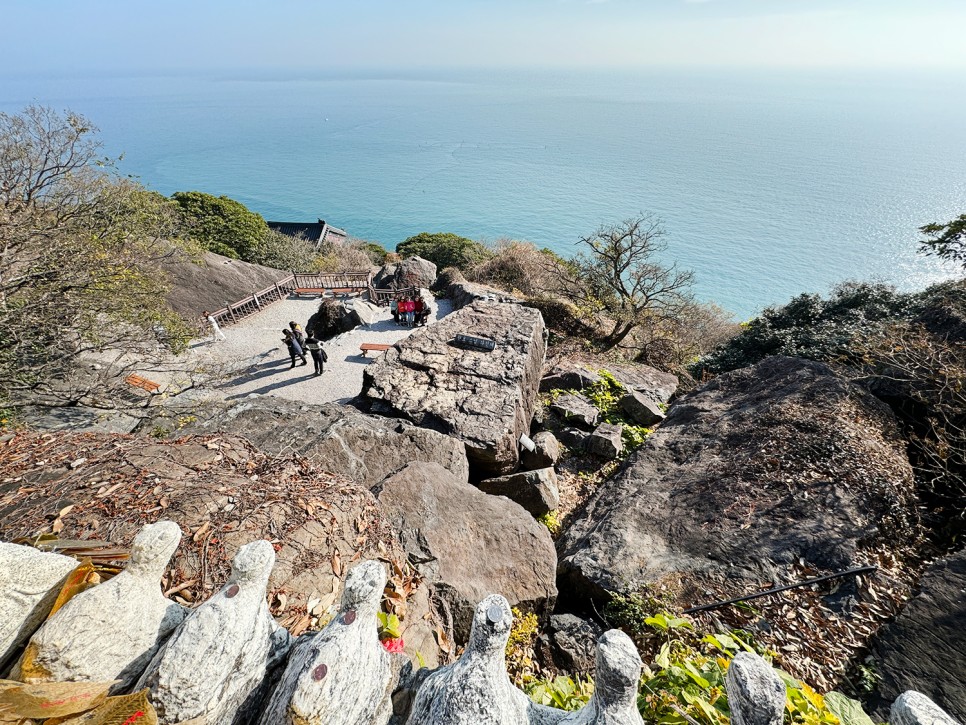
332 318
545 453
468 544
780 465
575 409
606 441
486 399
364 448
456 287
410 272
927 641
415 272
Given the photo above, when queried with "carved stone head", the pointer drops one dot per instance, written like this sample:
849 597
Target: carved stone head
363 587
618 667
253 563
492 621
153 547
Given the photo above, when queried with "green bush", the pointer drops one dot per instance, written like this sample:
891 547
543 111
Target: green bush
444 250
813 327
222 225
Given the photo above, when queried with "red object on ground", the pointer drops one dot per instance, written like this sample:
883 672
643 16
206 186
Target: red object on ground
393 645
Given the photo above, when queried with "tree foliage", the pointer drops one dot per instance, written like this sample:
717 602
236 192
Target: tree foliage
222 225
444 250
946 241
79 253
621 278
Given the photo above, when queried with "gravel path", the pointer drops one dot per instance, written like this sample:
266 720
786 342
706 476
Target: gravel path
253 360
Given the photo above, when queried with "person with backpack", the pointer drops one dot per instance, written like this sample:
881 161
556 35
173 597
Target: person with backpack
314 346
294 348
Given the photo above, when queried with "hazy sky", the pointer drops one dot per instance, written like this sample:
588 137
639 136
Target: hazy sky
120 35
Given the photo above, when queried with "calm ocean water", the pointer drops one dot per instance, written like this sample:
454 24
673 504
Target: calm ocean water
769 185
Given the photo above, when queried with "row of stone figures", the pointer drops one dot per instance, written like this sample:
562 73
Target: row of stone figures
228 662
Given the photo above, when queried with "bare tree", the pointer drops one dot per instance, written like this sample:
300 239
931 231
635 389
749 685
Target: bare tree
79 253
621 281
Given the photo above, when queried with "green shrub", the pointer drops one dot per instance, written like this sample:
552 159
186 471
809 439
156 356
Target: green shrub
444 250
223 225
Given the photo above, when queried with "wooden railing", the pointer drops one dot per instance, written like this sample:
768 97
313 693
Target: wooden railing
382 296
234 311
333 280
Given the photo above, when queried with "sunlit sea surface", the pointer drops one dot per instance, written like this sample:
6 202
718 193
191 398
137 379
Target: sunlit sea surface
769 184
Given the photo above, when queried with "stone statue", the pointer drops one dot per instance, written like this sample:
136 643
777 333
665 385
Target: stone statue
618 673
214 663
342 674
756 695
914 708
475 690
30 581
112 631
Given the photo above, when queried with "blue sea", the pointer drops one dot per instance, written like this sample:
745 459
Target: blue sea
769 184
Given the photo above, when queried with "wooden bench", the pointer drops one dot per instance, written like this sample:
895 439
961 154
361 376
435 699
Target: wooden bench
138 382
299 291
367 347
309 291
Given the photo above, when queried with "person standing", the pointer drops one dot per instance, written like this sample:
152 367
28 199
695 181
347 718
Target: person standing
314 346
294 348
296 329
216 333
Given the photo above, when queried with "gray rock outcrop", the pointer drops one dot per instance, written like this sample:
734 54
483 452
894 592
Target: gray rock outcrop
535 490
914 708
342 674
616 679
213 665
575 409
365 448
125 621
485 399
756 695
760 469
546 452
476 688
30 581
916 650
411 272
606 441
466 544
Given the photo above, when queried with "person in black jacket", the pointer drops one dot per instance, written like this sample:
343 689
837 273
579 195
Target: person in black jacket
294 348
314 346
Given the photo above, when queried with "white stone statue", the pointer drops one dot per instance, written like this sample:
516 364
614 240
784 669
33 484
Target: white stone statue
214 663
914 708
616 679
756 694
342 674
112 631
30 581
476 690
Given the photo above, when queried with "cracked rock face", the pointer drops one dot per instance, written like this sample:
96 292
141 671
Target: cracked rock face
112 631
342 674
485 399
215 662
30 581
475 689
756 695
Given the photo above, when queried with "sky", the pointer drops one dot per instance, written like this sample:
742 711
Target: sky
119 36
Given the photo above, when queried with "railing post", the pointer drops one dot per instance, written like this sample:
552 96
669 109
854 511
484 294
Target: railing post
255 297
231 312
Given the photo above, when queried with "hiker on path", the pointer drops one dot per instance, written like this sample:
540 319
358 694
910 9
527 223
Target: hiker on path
296 329
294 348
314 346
216 333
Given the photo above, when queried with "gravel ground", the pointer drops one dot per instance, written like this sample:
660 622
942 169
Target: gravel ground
253 360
